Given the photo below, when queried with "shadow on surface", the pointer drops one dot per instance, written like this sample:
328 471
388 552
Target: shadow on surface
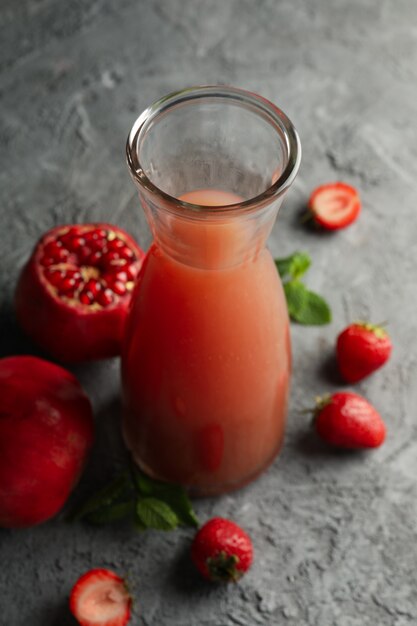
13 340
58 615
108 458
310 445
184 578
329 369
303 219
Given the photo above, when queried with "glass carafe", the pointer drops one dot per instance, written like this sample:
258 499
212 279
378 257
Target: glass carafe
207 357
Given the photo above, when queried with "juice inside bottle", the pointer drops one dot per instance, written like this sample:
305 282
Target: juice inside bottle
206 360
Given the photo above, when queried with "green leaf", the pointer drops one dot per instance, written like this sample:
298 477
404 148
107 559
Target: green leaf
294 265
296 295
174 495
283 266
177 498
304 306
315 311
118 487
156 514
160 505
112 513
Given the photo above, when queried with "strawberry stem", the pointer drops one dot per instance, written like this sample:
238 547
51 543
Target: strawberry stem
223 567
306 217
377 329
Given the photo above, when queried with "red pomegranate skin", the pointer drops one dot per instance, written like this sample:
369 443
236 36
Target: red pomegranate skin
71 333
46 432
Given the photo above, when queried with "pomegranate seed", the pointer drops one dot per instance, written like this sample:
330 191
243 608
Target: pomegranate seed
68 284
116 244
94 286
54 276
126 253
75 243
106 280
61 254
70 273
119 288
62 240
92 235
111 256
105 297
98 245
47 260
74 230
84 254
52 247
67 236
121 275
95 258
86 297
71 293
118 275
131 272
89 235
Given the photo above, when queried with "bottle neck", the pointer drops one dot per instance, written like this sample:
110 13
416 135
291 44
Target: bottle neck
207 242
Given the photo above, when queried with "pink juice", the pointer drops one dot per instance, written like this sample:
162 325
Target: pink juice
206 362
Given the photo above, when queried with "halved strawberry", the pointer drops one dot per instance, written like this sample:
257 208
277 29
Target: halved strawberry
334 205
100 598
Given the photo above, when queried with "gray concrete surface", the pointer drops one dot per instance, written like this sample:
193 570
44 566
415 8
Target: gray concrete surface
335 534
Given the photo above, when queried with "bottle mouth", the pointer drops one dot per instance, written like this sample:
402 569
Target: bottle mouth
258 105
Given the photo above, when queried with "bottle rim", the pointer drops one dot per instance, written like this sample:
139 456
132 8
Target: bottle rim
258 105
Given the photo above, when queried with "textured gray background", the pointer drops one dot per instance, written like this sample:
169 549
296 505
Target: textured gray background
335 534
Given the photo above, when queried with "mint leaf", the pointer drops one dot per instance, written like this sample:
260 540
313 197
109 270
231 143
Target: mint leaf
112 513
283 266
304 306
156 514
294 265
117 488
155 504
296 295
315 310
299 264
174 495
177 498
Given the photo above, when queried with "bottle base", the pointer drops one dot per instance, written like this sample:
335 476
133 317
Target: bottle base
196 491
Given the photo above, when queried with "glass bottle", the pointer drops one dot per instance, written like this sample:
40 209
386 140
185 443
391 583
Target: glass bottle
207 358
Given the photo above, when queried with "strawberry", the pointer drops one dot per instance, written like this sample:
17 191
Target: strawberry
347 420
334 205
100 598
222 551
361 349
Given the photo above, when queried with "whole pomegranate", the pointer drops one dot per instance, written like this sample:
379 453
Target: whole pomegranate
46 431
73 294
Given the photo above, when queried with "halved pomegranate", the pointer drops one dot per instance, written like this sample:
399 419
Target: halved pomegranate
73 294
